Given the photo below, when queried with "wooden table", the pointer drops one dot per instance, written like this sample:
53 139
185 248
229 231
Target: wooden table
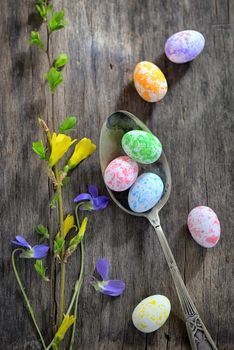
105 40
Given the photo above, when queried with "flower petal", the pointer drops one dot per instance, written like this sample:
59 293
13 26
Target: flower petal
68 224
100 202
67 322
40 251
21 242
83 197
93 190
84 148
102 267
59 146
114 288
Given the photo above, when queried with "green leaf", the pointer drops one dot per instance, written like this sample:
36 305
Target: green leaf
39 148
43 9
68 124
43 231
58 245
61 61
54 200
36 40
54 78
57 21
41 270
49 8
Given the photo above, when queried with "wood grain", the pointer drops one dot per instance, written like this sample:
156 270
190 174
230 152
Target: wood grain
105 40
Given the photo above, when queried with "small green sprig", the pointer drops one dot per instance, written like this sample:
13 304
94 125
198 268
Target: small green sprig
39 148
41 270
57 21
54 78
68 124
43 9
54 22
61 61
36 40
42 231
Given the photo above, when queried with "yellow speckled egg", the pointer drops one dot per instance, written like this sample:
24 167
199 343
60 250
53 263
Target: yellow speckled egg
149 81
151 313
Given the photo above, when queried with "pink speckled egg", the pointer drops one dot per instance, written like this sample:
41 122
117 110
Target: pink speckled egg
204 226
121 173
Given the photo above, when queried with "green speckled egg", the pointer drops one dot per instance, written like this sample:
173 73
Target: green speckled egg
142 146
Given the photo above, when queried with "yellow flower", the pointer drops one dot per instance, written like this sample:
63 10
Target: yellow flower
59 146
68 224
67 322
84 148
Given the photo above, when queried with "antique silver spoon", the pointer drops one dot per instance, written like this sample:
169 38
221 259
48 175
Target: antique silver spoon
116 125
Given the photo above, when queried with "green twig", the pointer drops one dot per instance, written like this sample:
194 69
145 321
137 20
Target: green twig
63 265
30 309
76 294
79 284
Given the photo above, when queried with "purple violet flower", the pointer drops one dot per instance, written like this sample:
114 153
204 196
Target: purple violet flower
112 288
94 201
39 251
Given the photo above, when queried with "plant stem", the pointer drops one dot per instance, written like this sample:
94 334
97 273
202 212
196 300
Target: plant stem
48 47
51 257
51 238
75 297
79 284
30 309
79 281
63 265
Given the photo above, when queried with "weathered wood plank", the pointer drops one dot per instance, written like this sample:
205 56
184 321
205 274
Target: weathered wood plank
195 124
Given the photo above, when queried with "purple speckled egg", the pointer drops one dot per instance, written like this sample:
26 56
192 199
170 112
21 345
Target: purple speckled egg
184 46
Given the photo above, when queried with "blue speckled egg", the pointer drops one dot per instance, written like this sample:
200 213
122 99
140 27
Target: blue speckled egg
145 193
184 46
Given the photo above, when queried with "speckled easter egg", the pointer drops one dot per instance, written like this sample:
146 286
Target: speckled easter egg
151 313
184 46
204 226
149 81
142 146
121 173
145 192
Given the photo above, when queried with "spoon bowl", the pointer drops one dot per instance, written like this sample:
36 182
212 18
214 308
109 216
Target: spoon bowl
113 129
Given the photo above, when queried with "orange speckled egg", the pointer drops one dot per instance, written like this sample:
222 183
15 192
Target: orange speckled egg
149 81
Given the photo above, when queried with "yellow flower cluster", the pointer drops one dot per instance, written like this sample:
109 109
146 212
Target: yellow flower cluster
59 146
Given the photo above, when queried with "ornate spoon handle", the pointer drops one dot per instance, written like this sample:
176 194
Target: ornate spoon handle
199 337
